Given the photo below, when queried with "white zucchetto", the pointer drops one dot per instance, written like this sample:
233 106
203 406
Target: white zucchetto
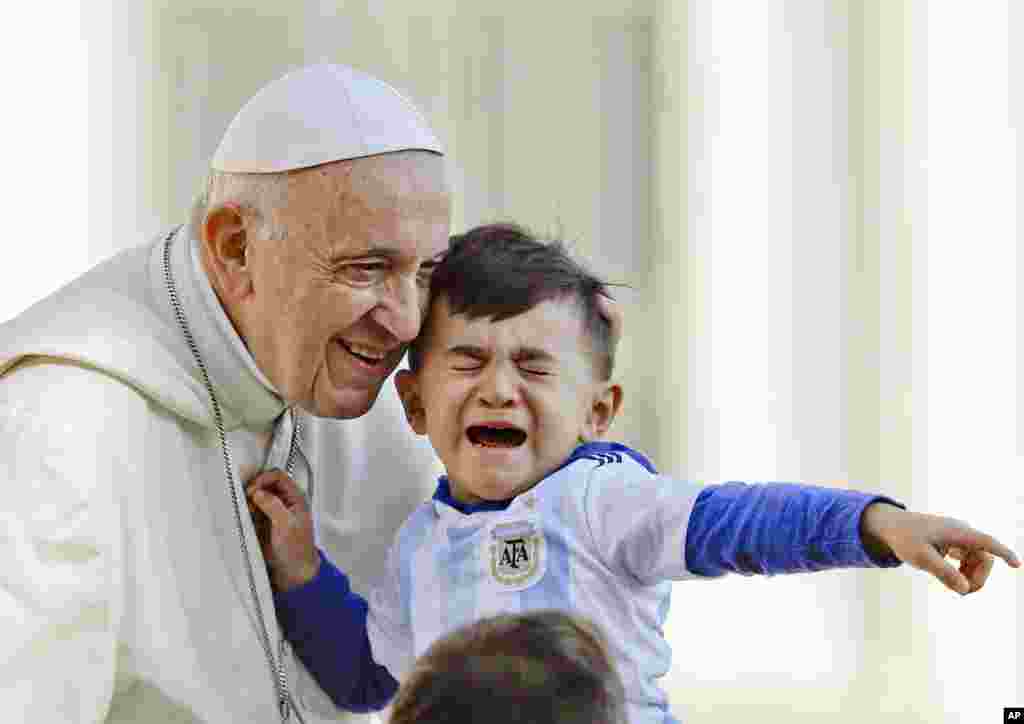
319 114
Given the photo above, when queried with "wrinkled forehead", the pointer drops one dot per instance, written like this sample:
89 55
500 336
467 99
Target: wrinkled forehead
365 202
377 180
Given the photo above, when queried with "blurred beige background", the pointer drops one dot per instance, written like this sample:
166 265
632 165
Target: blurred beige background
814 201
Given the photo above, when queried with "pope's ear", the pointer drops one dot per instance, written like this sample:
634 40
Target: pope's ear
407 384
225 247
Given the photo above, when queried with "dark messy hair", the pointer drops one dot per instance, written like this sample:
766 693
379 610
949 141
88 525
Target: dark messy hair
545 667
500 271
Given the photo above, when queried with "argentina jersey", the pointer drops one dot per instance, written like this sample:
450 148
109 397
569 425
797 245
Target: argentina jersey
602 537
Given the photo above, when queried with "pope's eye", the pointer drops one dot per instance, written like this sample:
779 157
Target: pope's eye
423 275
365 272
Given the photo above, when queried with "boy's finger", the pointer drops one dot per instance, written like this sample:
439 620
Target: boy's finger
272 507
261 523
976 566
975 539
266 479
933 563
289 491
279 483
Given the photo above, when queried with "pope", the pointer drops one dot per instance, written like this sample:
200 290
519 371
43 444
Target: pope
136 402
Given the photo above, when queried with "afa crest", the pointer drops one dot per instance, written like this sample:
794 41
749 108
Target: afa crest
517 555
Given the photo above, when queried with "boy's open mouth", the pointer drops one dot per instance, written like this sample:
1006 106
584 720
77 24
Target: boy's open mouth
487 436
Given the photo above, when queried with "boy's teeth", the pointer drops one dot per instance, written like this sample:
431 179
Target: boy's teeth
485 436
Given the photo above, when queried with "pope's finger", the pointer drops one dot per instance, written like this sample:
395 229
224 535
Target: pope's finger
967 537
929 560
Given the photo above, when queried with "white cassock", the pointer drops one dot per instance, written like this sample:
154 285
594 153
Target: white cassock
124 595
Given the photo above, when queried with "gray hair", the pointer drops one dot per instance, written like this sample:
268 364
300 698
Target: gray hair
256 194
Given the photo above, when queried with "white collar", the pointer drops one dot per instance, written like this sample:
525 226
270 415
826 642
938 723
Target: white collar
243 391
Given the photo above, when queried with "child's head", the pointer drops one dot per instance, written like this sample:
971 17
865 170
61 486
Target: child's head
513 365
544 667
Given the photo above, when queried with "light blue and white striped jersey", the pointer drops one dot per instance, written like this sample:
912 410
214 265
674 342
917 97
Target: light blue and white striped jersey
602 537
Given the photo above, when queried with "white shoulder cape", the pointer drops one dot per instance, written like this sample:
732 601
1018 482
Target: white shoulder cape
109 320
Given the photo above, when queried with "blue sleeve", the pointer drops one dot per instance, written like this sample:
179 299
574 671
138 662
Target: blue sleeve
778 528
326 625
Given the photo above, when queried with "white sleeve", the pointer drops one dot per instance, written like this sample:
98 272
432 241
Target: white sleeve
61 539
387 622
638 520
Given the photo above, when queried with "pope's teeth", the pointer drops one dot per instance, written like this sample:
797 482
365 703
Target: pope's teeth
364 352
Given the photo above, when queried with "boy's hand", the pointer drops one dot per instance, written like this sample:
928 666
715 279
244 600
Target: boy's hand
284 527
923 541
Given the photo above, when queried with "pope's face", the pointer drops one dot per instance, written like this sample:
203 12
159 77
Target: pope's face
334 303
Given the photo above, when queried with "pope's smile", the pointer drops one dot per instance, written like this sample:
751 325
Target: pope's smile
368 359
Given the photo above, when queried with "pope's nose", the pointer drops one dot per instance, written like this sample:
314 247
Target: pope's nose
399 310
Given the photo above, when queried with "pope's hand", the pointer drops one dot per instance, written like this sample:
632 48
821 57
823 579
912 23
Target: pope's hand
284 527
923 541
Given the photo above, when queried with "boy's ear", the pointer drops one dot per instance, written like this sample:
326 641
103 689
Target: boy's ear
606 404
407 384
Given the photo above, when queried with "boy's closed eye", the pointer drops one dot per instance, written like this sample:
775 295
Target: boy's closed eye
466 359
472 364
535 362
466 363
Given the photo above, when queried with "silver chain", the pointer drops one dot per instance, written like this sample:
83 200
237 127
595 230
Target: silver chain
277 671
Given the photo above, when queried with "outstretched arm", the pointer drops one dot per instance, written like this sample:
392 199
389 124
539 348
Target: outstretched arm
655 527
784 528
321 616
773 528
